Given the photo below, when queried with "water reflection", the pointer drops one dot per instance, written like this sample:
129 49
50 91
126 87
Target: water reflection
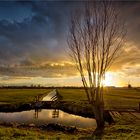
45 116
36 113
55 113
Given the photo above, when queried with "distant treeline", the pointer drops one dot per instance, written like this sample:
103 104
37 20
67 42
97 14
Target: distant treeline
54 87
38 87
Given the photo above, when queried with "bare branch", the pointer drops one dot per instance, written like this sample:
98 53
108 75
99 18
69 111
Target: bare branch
96 36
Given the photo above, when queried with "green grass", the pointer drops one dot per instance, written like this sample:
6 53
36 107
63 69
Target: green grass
13 133
115 132
114 97
20 95
7 133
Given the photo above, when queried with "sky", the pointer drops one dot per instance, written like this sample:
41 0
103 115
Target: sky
34 50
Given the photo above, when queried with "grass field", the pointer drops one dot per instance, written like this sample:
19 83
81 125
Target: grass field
20 95
114 97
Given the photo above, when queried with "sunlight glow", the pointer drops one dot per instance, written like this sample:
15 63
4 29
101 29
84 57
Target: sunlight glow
108 79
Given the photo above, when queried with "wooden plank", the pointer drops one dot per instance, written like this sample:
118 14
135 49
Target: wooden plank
120 110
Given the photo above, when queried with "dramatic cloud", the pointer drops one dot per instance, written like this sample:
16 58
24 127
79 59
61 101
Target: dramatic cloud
33 38
30 69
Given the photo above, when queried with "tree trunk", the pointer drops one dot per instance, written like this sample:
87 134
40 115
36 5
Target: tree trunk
99 115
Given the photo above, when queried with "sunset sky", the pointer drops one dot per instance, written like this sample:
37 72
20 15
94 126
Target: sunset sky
33 44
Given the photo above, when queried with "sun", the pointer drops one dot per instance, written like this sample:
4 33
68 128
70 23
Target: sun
108 79
112 79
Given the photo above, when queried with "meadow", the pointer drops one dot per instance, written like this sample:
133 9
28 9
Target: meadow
115 98
12 96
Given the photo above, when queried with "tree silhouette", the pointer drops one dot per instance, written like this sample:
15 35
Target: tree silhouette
96 36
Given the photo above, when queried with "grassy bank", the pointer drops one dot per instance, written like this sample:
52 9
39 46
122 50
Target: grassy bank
124 129
26 133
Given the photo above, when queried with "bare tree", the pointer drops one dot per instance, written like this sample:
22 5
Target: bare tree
95 39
